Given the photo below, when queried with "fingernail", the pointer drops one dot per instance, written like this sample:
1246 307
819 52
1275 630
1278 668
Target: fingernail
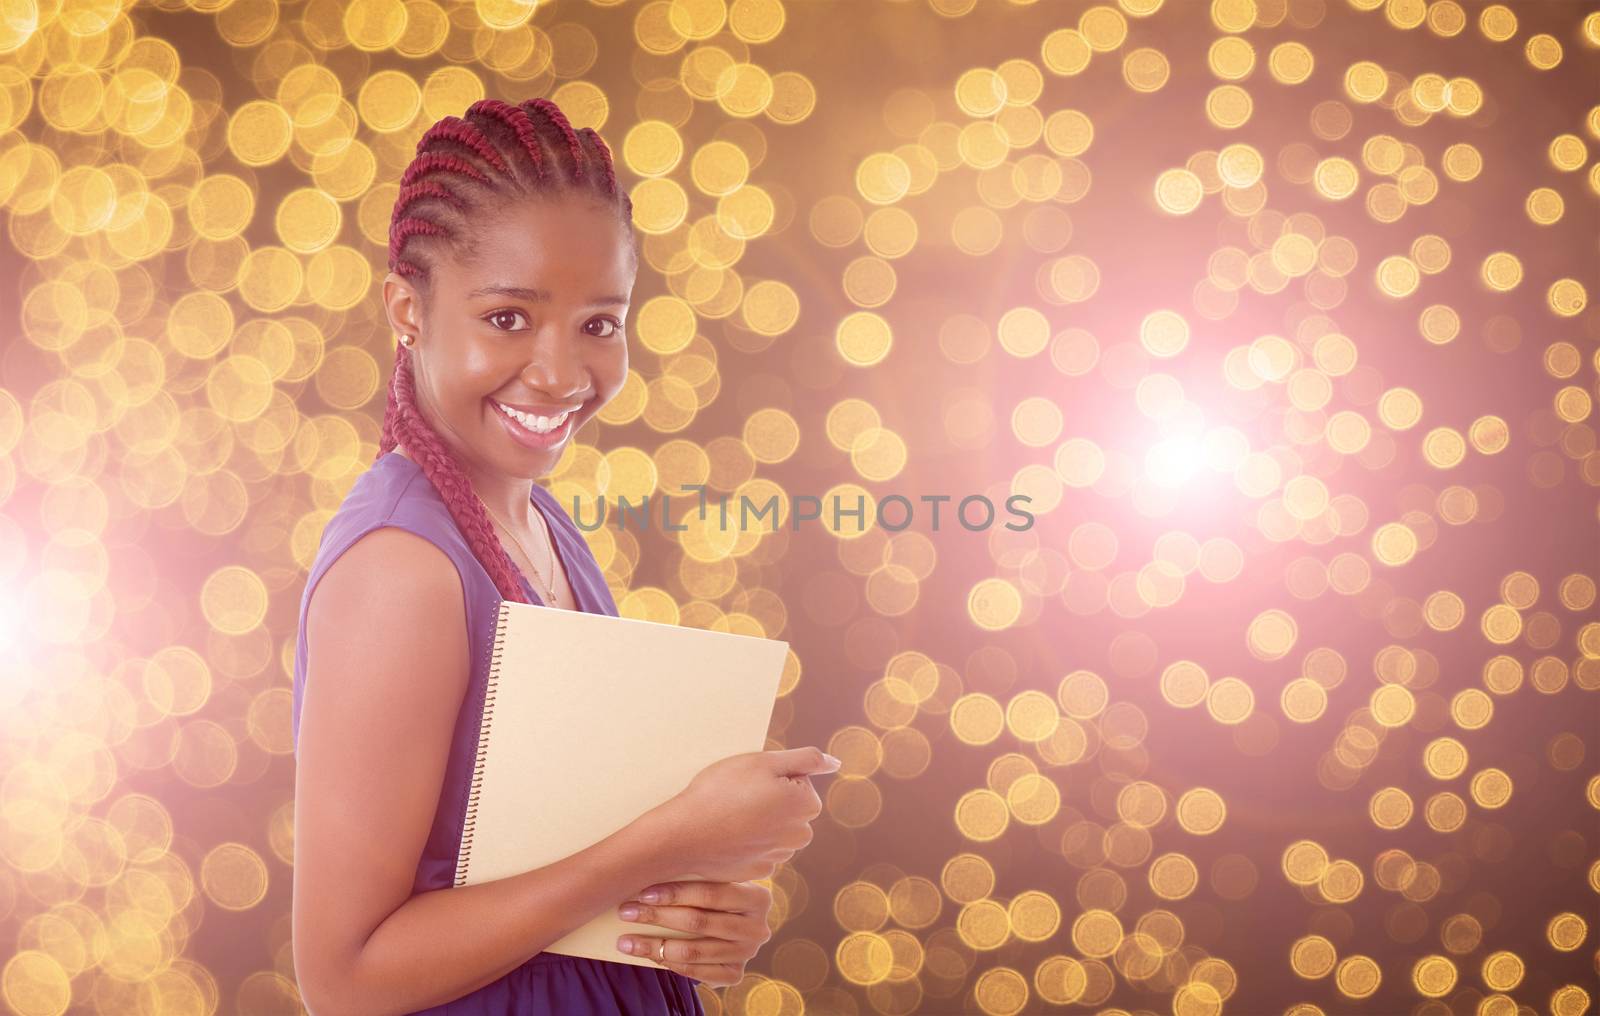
625 944
628 912
649 896
831 759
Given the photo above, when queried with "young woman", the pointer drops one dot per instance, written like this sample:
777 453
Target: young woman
512 262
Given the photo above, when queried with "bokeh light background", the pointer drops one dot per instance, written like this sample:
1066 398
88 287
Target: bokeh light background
1279 310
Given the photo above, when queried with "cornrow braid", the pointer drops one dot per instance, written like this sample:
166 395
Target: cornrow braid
427 189
403 230
462 132
553 113
429 162
609 172
515 145
515 118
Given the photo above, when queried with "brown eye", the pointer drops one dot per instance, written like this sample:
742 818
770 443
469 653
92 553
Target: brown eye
513 314
616 326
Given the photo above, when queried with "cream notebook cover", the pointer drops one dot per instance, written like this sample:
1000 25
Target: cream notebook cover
591 720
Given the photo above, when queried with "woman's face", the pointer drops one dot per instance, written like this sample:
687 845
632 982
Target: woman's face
533 321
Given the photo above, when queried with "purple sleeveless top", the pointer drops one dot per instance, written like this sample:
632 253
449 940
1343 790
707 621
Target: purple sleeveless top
395 492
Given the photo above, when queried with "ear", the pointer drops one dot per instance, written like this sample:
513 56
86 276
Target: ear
403 305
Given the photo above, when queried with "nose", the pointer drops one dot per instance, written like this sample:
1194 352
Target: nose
556 367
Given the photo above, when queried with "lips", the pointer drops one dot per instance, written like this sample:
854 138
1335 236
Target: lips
548 412
533 420
530 438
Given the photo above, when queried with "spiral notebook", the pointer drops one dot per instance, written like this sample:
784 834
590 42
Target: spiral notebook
589 721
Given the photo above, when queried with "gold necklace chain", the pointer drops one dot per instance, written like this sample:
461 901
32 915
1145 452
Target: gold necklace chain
550 593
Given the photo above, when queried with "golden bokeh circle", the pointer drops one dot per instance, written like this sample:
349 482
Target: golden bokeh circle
1566 931
34 983
1200 811
233 599
233 876
1230 701
1001 991
983 924
1341 881
994 604
1433 976
1173 876
1445 758
1034 916
1357 977
1096 933
982 815
1304 862
1312 956
1502 970
1445 811
1390 808
1197 998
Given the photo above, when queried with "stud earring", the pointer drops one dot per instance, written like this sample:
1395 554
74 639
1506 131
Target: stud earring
408 340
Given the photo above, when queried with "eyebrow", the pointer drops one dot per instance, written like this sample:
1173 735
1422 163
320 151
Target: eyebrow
538 295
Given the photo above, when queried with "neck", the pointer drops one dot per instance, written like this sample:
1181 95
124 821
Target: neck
508 498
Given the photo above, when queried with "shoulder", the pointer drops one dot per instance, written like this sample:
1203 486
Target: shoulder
399 490
389 615
393 492
388 604
392 536
393 574
392 530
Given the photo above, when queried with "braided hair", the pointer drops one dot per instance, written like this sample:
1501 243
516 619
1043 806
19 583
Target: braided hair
464 166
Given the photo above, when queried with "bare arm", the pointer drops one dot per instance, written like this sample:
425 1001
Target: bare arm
389 668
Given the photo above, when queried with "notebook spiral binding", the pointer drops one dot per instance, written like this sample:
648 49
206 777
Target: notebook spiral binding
497 642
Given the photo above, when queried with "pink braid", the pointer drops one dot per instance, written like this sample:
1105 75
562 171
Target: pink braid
514 118
429 162
453 128
404 423
605 158
554 114
426 189
404 229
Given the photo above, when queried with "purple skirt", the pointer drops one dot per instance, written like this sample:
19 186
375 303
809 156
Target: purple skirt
554 984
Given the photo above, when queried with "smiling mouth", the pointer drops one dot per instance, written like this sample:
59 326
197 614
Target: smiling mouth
531 423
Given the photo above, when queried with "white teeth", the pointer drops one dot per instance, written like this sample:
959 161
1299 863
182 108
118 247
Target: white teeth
537 424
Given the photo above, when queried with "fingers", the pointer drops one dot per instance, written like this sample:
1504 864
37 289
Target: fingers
709 924
806 761
733 897
805 805
687 950
814 805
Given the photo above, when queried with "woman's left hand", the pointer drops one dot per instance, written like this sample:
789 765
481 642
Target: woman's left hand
730 919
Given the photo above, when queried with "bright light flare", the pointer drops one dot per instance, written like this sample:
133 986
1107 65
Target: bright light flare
1175 461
